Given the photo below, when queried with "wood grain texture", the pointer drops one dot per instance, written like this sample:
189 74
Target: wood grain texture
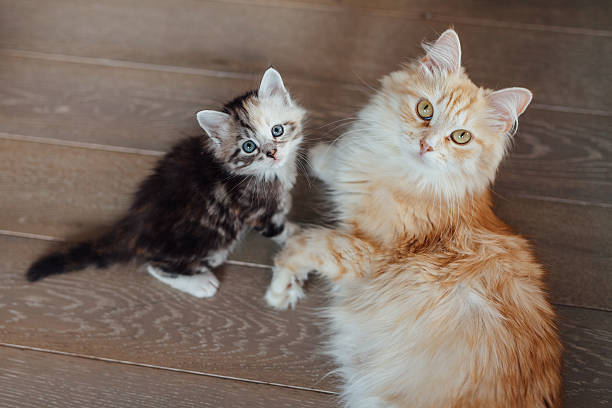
587 371
561 155
123 314
71 193
43 184
592 16
572 242
35 379
332 46
136 108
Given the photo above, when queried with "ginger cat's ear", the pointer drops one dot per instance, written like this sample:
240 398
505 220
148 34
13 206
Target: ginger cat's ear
443 55
508 104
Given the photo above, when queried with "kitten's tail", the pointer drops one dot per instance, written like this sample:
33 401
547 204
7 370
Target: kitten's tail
76 258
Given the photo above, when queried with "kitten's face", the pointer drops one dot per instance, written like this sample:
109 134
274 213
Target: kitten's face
449 132
260 132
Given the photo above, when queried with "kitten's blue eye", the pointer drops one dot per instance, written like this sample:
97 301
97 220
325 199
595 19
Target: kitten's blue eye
277 130
249 146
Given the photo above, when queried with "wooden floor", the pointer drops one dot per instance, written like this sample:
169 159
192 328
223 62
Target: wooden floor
92 93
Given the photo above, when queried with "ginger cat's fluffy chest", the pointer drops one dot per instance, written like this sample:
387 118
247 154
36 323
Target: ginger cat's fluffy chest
386 217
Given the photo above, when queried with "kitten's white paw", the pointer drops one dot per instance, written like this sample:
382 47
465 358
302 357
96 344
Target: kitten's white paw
284 290
202 285
319 158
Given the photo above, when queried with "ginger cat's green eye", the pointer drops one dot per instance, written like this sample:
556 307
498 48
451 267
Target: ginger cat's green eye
461 136
425 109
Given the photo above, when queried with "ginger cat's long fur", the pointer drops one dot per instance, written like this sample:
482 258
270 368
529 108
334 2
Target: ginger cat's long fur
436 303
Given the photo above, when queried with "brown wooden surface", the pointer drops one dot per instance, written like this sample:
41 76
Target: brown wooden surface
590 17
72 382
144 109
125 314
117 82
587 371
344 47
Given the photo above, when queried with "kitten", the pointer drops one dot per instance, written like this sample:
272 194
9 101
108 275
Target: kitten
436 303
204 194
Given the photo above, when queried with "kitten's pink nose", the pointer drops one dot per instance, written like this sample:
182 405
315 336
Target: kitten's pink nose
425 147
272 153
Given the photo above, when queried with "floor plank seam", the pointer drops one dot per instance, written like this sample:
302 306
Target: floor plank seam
28 235
173 69
565 200
423 16
56 239
83 145
170 369
114 63
595 309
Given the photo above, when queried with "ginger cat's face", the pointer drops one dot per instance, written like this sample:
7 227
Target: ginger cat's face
447 131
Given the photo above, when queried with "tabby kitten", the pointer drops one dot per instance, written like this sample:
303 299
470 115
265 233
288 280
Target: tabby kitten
436 303
204 194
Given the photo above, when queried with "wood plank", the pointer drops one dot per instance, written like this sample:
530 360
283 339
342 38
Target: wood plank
136 108
35 379
193 33
573 242
593 16
123 314
557 154
70 192
587 371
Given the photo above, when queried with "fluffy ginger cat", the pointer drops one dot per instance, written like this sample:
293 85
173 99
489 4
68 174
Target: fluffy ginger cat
436 303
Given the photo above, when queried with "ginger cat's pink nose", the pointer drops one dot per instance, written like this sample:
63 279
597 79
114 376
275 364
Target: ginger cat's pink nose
425 147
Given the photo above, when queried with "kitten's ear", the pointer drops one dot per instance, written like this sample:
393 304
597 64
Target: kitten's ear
443 55
272 84
216 124
508 104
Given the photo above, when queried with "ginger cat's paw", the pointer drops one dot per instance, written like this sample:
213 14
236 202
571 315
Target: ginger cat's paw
284 290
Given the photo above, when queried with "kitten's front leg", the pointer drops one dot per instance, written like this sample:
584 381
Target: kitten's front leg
277 227
333 254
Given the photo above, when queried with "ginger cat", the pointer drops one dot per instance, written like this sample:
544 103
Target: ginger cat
436 303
